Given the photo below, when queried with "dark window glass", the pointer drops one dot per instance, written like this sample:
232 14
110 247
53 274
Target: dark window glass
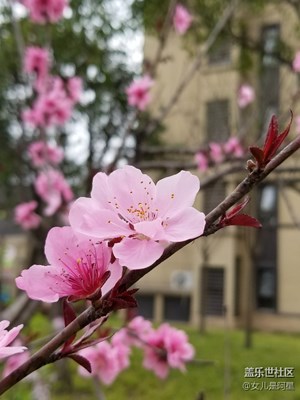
220 52
213 195
266 288
217 120
213 291
270 45
177 308
145 305
266 249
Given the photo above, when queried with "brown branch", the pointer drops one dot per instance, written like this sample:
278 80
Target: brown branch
47 353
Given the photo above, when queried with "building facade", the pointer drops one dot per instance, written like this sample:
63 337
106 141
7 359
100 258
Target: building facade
239 276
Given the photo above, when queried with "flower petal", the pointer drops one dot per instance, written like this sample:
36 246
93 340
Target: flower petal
187 224
37 283
152 229
116 273
176 192
85 217
136 253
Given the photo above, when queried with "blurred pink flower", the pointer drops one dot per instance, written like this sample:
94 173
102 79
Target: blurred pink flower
79 268
296 62
122 352
43 11
15 361
216 152
182 19
138 92
42 153
134 333
167 348
7 337
50 108
246 96
202 161
53 188
128 205
37 60
233 147
104 362
74 88
25 216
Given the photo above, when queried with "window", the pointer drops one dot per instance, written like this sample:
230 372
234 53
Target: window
217 120
270 73
270 45
266 255
213 195
177 308
145 305
219 53
213 291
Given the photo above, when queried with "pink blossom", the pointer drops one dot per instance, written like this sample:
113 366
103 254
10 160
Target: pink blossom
134 333
53 188
216 152
50 108
74 88
25 215
246 96
37 60
104 362
78 269
138 92
182 19
15 361
42 153
296 62
233 146
127 204
202 161
167 347
122 352
7 337
43 11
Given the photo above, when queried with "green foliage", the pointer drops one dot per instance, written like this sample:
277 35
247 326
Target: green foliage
136 383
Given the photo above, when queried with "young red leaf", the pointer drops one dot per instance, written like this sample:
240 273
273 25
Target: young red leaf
69 316
258 154
238 207
81 361
243 220
271 136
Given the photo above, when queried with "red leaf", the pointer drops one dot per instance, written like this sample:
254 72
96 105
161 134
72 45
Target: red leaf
81 361
238 207
271 136
243 220
69 316
258 154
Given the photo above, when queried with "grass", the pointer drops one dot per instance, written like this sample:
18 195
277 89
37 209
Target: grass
269 350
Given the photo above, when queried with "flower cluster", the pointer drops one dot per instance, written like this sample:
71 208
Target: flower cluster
128 221
216 153
43 11
163 348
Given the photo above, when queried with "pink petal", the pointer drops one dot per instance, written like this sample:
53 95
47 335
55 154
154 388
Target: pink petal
35 281
116 273
136 253
187 224
152 229
176 192
85 217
